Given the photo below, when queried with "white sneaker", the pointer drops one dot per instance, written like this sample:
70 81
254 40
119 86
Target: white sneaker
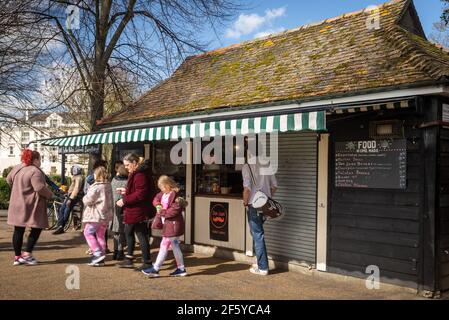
16 262
98 259
256 270
28 260
98 264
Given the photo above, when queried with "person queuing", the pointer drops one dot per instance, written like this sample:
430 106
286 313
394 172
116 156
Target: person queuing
27 205
168 218
117 228
254 180
138 210
91 180
97 214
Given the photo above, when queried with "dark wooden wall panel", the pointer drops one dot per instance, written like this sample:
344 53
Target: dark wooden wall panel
443 253
377 226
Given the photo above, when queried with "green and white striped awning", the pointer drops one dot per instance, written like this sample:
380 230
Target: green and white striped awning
315 121
395 105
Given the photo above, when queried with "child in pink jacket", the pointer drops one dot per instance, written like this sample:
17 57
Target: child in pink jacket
169 213
97 214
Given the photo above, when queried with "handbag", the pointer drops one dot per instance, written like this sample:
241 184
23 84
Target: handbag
157 223
268 207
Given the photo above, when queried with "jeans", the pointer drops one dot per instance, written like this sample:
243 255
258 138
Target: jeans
141 230
256 227
64 212
17 239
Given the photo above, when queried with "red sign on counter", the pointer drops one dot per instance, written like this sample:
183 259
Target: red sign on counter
219 221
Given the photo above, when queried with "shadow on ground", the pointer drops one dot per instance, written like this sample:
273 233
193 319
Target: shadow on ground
212 265
56 244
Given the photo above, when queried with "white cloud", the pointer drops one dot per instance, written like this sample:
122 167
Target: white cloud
268 32
250 23
54 46
275 13
244 25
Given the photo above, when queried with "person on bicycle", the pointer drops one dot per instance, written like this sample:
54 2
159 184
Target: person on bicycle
74 194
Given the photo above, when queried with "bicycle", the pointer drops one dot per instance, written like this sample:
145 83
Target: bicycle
75 217
53 211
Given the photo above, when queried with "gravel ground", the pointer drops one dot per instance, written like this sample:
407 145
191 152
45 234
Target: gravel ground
209 277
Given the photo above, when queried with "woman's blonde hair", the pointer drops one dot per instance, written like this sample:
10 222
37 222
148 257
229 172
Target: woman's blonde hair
168 182
101 174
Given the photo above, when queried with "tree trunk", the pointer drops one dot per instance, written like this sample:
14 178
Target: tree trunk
97 108
97 102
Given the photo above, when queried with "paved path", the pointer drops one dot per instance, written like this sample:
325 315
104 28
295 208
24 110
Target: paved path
210 278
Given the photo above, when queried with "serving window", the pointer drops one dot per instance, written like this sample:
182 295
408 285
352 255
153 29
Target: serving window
162 164
219 173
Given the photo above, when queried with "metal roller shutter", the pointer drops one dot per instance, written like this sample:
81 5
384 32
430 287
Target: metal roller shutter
293 238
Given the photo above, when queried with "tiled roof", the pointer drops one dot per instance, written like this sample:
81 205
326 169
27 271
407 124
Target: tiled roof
333 57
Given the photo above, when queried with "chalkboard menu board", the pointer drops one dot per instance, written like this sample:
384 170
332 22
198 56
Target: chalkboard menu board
371 164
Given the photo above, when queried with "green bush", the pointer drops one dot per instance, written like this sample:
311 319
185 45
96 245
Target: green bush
6 171
5 192
56 178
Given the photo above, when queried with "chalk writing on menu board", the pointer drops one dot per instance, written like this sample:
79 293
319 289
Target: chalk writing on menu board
374 164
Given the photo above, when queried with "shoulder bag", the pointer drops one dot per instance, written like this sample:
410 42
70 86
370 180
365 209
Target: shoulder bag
268 207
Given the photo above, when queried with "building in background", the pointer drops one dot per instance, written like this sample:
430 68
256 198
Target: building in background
40 126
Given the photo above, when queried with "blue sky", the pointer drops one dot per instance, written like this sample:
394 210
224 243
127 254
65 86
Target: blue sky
268 16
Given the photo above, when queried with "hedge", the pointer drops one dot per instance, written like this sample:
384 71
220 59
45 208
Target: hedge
5 192
6 171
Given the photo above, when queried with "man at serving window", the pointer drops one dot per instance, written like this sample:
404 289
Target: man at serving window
265 181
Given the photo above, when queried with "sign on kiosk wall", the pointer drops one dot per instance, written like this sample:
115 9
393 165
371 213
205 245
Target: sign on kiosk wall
378 164
219 221
79 149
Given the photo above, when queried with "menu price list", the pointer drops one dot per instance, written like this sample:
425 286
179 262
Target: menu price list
371 164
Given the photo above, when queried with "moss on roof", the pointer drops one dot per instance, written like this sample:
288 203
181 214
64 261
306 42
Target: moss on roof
335 56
